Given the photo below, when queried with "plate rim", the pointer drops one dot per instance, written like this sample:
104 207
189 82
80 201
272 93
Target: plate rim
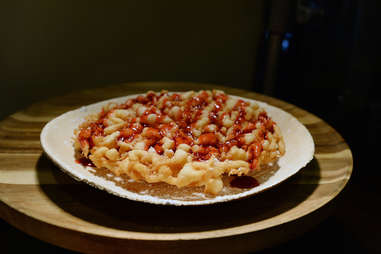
156 200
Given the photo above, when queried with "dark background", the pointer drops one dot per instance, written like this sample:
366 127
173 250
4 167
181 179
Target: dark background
328 63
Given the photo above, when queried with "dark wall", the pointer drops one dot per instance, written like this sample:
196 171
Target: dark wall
332 67
49 47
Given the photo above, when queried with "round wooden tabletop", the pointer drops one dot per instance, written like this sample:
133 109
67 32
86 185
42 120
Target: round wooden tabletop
37 198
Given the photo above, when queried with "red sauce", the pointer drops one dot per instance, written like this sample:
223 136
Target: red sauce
150 142
208 139
250 127
86 162
153 137
166 128
254 150
141 99
86 135
175 97
127 104
129 132
182 138
213 117
227 145
205 152
159 149
244 182
221 99
182 129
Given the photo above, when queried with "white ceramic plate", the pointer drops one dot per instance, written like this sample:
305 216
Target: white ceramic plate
57 142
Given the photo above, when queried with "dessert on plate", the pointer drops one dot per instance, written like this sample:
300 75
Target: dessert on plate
191 139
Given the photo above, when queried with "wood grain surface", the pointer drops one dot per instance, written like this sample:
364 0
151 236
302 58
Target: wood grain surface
37 198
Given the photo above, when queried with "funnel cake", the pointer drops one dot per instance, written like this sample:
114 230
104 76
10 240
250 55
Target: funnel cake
190 139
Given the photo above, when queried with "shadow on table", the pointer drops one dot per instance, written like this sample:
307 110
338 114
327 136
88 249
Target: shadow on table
102 208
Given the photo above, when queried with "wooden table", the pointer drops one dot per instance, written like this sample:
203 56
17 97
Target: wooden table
37 198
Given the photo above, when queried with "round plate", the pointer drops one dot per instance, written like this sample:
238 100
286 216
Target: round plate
298 142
